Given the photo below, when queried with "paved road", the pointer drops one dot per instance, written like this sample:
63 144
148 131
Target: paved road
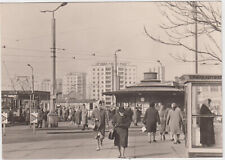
71 143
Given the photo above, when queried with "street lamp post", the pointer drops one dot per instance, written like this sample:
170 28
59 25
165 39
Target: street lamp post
53 122
114 79
32 92
115 70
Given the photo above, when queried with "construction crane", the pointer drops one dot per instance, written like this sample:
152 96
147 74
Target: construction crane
12 83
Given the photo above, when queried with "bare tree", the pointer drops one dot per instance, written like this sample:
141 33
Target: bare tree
179 27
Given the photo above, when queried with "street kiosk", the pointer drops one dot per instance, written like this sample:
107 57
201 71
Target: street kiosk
203 107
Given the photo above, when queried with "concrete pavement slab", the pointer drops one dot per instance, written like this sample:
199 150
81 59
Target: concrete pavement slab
83 145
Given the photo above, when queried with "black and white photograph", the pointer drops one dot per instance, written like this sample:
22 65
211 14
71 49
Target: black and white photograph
111 79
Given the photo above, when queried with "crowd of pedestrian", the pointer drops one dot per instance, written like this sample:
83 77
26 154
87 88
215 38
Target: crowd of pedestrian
169 120
42 118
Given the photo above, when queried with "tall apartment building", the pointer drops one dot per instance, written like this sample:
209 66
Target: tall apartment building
101 79
59 85
74 84
45 85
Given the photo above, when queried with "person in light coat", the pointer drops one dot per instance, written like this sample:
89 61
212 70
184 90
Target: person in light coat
163 116
100 120
175 120
84 117
78 116
135 119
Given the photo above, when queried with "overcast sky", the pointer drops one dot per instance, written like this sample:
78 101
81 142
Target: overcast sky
83 29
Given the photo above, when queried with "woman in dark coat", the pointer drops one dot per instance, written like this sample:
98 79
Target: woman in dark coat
121 123
207 136
150 120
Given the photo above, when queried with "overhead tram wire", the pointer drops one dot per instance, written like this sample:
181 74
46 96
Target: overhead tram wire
77 58
71 52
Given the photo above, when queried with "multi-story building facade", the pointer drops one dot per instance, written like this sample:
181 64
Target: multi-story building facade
59 85
45 85
74 84
101 79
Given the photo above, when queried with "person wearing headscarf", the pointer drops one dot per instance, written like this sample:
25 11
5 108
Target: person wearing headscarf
175 120
150 120
121 123
207 136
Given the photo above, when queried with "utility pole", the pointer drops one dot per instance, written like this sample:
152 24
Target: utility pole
114 76
53 122
196 37
32 92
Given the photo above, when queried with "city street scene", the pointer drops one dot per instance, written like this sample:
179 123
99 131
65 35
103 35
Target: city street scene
97 80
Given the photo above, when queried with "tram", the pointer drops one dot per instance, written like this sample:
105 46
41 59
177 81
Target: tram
20 101
203 107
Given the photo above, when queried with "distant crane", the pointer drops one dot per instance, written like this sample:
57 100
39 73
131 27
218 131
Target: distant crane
12 83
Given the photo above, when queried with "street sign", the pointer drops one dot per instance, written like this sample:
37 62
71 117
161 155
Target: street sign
4 118
33 117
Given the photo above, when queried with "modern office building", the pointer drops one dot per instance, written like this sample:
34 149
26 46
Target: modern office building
74 85
101 79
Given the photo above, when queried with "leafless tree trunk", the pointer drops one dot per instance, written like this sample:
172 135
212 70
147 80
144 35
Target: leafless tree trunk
179 28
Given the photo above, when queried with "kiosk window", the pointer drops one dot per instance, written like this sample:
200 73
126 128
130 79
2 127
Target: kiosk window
206 116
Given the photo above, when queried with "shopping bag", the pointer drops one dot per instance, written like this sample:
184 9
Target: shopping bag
92 126
143 129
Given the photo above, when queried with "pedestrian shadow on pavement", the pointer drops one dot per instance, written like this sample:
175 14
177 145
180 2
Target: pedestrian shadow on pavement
159 154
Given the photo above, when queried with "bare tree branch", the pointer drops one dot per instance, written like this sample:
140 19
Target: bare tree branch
179 25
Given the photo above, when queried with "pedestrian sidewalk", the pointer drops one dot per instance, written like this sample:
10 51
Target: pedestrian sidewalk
85 148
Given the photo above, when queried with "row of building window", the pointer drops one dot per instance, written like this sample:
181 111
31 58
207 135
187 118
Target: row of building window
110 68
211 88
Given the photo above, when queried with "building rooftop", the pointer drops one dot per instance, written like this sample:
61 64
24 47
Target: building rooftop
149 84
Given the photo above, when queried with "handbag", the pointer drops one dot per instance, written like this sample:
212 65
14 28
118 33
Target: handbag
111 135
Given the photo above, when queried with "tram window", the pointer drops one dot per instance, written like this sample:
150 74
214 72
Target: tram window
207 116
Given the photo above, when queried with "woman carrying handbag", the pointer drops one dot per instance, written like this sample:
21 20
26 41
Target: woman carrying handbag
121 124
